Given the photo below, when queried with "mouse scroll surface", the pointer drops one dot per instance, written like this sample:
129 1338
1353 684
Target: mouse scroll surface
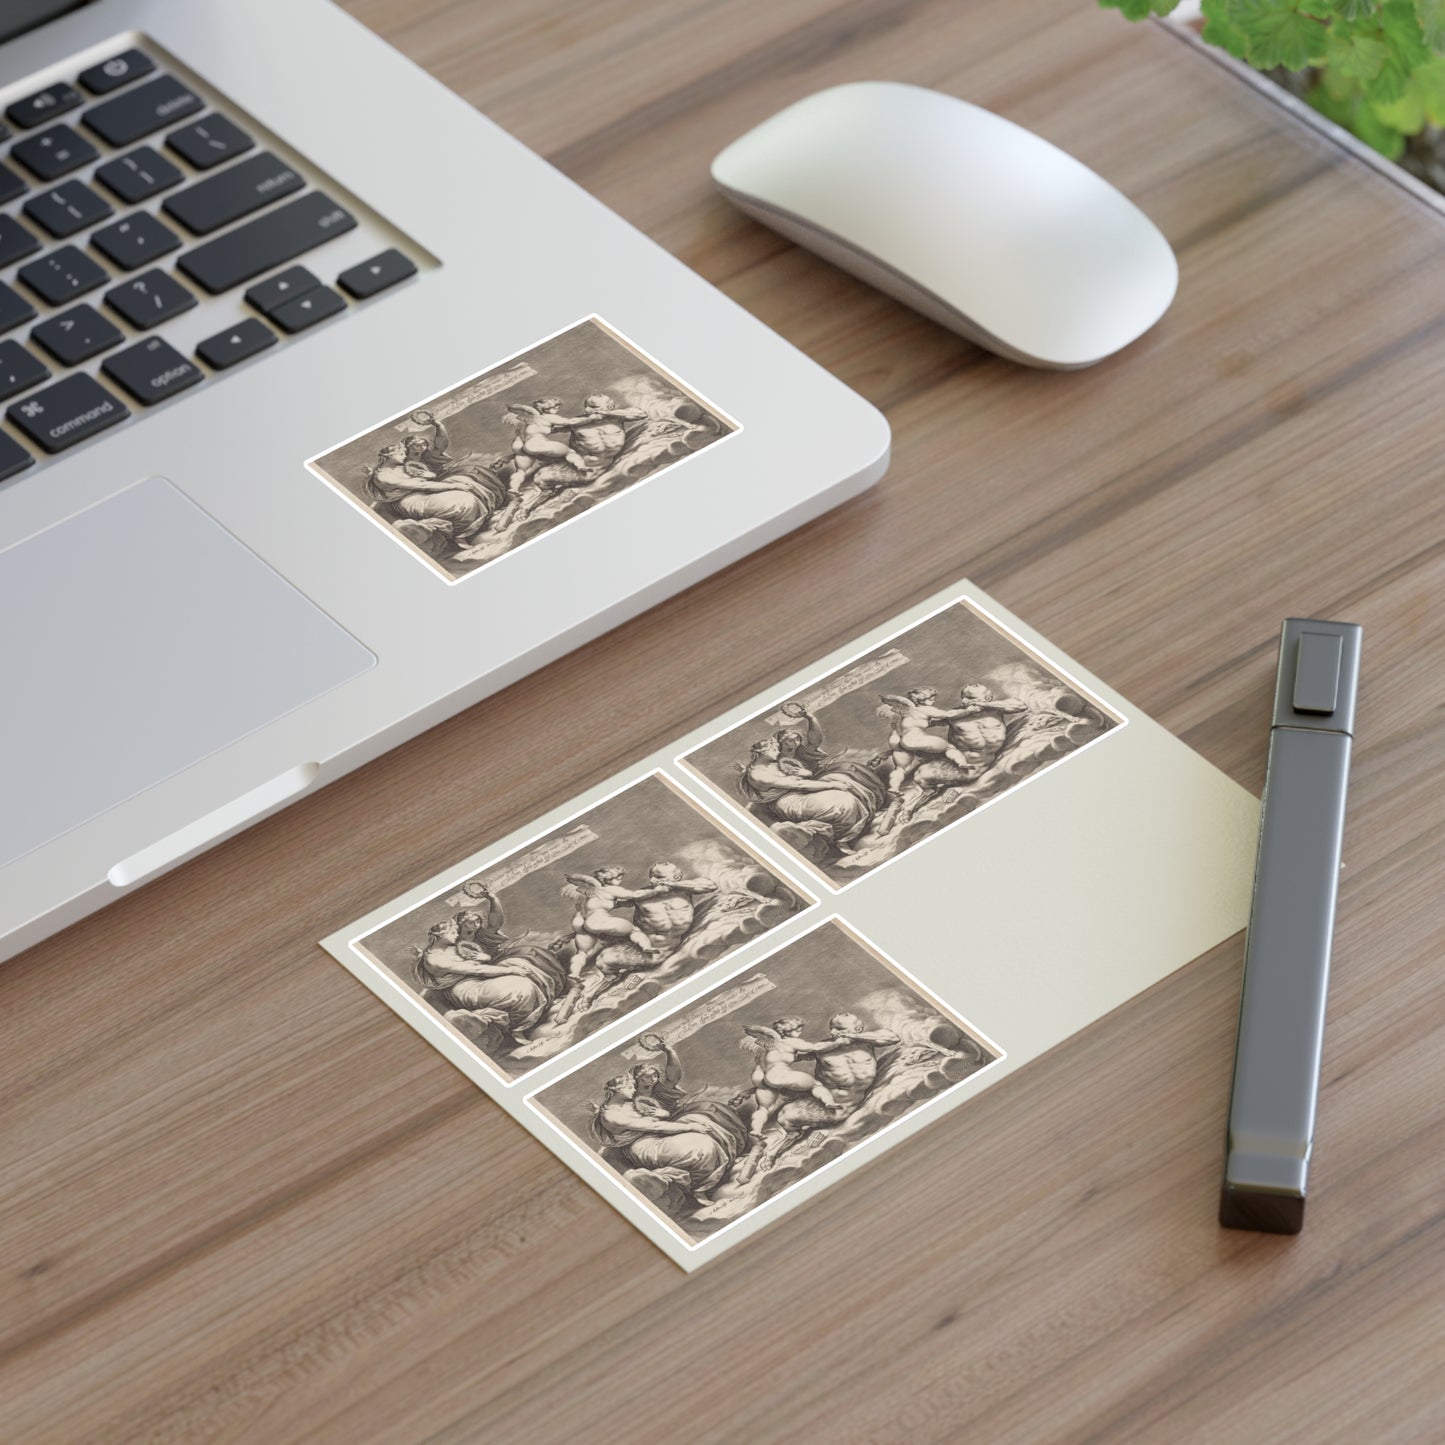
141 638
972 219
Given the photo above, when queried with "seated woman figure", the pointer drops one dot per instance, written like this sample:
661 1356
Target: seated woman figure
835 805
451 508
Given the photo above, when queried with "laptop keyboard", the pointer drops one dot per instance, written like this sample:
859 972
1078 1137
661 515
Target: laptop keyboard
128 201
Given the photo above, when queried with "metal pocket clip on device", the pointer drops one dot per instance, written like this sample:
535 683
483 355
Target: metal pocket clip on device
1291 925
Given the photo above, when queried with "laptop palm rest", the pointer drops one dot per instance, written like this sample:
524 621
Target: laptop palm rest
180 642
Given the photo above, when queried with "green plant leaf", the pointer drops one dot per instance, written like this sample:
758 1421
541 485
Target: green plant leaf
1276 33
1428 81
1357 117
1357 9
1406 115
1355 56
1140 9
1220 30
1390 82
1332 107
1389 85
1431 17
1401 28
1377 134
1339 86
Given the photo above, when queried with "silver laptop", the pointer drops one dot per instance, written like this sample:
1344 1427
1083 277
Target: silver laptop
326 410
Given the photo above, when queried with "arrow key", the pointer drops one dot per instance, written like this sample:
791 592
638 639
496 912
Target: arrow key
307 310
284 286
235 343
376 274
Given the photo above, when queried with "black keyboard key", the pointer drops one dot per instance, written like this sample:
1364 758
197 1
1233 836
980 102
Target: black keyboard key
236 343
208 142
307 310
53 153
284 286
140 111
14 308
74 408
376 274
11 184
15 241
152 370
138 176
77 335
119 70
13 457
235 192
19 369
149 299
135 241
68 208
266 242
44 105
62 275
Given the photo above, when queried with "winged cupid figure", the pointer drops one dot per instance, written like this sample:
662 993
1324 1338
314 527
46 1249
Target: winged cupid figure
543 457
537 440
604 914
776 1074
604 923
911 741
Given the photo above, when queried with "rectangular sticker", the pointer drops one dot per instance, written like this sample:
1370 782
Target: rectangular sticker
512 453
908 738
764 1080
582 925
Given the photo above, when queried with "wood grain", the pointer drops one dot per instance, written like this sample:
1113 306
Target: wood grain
242 1201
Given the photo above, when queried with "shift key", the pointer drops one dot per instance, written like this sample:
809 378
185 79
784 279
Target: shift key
266 242
235 192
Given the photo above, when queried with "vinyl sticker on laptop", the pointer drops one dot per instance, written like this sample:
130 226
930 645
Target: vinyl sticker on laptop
765 1080
580 926
903 741
510 454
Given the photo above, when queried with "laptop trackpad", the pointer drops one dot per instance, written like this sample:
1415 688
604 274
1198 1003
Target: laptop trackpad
136 639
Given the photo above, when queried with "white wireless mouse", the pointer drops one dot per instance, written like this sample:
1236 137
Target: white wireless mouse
968 218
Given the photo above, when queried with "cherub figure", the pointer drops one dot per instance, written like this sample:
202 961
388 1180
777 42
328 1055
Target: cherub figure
910 742
537 440
600 917
776 1074
543 440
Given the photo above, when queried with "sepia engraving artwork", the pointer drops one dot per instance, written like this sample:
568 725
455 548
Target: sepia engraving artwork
582 925
877 757
480 470
765 1079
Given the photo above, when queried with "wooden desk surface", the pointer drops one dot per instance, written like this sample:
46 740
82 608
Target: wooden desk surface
242 1201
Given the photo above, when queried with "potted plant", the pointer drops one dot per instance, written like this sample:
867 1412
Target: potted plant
1376 68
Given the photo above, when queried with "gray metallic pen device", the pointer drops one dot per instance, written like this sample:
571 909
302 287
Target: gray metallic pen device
1291 924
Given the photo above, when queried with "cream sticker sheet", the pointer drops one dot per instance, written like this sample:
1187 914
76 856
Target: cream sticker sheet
728 976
